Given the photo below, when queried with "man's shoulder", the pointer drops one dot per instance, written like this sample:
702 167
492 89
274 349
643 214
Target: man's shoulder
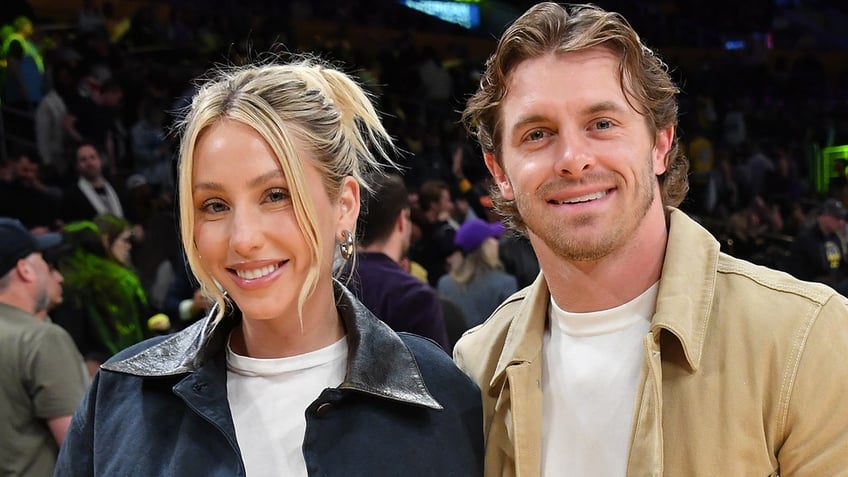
768 281
479 348
389 277
18 321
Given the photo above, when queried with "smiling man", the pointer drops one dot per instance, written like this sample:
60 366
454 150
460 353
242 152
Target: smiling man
641 349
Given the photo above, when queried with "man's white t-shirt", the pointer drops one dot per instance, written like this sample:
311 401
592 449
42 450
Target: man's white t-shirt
590 377
268 399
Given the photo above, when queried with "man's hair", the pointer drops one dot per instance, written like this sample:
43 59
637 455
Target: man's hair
110 85
381 208
430 193
550 28
80 145
31 154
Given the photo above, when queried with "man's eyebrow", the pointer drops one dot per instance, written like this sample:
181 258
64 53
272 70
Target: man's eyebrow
603 106
525 120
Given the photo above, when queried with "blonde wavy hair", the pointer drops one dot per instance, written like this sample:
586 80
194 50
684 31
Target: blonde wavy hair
305 100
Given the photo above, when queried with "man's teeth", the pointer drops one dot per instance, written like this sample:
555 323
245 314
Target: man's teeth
256 273
583 198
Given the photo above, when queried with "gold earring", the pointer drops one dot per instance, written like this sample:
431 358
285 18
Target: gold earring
346 246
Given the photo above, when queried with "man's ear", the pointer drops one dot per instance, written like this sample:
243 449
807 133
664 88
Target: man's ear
401 222
499 175
348 205
25 270
662 144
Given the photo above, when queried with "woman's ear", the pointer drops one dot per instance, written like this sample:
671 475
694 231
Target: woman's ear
348 205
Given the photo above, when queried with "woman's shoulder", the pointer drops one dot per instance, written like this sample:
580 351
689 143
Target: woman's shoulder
435 364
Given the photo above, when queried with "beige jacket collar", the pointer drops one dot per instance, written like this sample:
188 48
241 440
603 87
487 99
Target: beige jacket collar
687 286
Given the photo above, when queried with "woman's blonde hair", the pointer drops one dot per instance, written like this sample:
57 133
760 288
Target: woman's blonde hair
306 101
476 263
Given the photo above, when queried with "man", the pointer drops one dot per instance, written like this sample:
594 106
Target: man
43 380
435 249
27 197
816 253
402 301
24 66
92 194
640 349
55 292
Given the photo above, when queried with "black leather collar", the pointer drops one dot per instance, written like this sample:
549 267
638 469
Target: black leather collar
379 363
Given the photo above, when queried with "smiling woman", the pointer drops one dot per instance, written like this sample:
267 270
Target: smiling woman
289 374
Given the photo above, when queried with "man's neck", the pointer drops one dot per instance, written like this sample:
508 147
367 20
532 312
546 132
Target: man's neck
19 300
389 248
624 274
96 181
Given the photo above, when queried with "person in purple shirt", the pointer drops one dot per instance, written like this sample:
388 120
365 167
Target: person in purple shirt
402 301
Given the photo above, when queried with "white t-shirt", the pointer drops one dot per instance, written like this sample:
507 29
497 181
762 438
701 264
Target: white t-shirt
590 377
268 399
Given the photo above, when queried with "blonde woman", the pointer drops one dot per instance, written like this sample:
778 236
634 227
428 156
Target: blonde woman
289 374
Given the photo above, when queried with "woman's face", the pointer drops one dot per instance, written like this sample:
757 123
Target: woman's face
121 247
246 233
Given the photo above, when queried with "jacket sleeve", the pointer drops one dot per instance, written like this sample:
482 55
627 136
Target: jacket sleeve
816 423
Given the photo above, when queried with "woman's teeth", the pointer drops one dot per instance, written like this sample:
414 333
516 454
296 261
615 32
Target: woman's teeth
256 273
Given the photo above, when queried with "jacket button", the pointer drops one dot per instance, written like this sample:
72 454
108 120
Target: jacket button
323 409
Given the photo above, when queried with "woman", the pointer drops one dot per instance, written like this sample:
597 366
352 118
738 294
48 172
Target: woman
478 284
116 234
289 374
105 307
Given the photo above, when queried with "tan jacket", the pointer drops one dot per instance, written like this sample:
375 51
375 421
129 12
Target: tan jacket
745 372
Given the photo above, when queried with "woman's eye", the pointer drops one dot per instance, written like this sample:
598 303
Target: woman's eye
277 195
213 207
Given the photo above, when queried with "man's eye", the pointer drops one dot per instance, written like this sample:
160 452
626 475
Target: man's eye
603 124
536 135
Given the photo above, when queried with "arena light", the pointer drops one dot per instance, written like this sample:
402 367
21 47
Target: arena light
463 13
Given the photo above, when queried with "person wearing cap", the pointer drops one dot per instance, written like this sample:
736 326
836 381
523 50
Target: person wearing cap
42 380
817 253
478 284
55 293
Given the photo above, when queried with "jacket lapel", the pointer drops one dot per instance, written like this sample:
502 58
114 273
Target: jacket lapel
517 383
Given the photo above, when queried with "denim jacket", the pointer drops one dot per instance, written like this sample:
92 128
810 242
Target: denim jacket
160 408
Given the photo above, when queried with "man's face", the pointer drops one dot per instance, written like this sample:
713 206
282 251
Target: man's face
445 204
112 99
89 165
579 161
831 224
26 171
54 288
42 283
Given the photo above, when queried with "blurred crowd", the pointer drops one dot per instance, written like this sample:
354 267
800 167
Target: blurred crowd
88 109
